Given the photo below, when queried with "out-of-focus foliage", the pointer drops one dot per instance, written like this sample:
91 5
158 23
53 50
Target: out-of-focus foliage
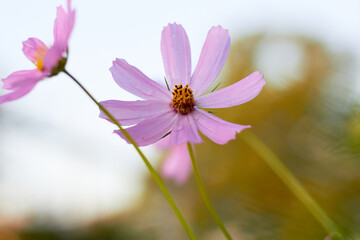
311 123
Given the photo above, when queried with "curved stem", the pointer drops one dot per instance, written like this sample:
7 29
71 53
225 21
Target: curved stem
204 195
289 180
152 171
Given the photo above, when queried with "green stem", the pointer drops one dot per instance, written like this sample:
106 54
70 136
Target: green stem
204 195
289 180
154 174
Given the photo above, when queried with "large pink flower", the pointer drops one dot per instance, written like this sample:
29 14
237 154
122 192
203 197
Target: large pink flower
179 111
48 61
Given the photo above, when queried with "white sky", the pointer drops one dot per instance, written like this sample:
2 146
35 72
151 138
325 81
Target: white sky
55 153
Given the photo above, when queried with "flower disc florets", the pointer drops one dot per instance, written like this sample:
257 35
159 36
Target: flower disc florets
183 99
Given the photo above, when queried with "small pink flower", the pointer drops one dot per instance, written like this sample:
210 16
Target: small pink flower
179 111
177 163
48 61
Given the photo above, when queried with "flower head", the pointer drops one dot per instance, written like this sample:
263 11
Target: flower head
179 111
49 61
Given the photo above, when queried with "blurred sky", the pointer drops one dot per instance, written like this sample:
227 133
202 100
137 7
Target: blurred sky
57 158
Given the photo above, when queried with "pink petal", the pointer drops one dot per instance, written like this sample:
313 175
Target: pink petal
151 129
69 5
21 83
218 130
63 26
175 49
133 112
52 58
22 78
33 48
177 165
185 130
235 94
16 94
134 81
212 59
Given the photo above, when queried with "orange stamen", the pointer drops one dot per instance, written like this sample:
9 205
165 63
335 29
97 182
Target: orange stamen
183 99
39 57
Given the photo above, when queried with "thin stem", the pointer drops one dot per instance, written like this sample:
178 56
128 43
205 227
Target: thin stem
204 195
290 181
154 174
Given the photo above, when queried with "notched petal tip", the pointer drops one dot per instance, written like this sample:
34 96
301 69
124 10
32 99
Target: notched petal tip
69 5
219 31
172 25
119 61
113 63
219 28
34 49
232 136
261 78
259 73
28 42
63 26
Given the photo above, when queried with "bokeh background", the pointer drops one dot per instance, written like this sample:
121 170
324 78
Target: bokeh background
64 175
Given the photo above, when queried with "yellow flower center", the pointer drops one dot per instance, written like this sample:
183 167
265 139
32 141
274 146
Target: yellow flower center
39 57
183 99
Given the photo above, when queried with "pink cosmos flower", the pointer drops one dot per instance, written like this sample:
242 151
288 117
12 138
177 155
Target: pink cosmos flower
177 163
48 61
179 111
